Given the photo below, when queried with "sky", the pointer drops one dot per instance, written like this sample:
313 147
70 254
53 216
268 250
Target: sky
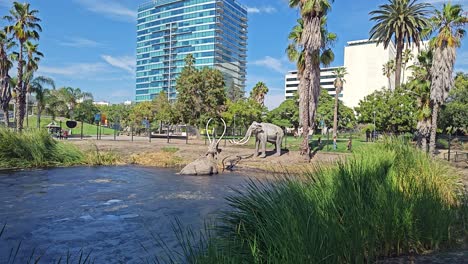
91 44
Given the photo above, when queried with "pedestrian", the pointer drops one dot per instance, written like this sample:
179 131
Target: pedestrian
368 135
334 143
319 142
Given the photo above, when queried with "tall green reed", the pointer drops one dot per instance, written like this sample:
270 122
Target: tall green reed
35 149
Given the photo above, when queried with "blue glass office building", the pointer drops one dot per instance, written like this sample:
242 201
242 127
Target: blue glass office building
213 31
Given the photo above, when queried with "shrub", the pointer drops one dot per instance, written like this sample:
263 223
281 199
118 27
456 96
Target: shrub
35 149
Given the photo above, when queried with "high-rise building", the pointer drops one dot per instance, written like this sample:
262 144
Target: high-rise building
326 82
213 31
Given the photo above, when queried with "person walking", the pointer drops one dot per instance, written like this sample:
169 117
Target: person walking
334 143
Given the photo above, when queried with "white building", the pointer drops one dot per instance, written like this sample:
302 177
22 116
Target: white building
101 103
326 82
363 60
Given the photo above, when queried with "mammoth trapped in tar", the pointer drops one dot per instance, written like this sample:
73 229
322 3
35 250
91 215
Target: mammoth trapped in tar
207 165
264 132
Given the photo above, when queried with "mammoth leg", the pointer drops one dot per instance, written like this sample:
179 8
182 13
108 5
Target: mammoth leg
263 142
279 139
257 142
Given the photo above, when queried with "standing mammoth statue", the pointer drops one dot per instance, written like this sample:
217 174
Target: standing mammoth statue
264 132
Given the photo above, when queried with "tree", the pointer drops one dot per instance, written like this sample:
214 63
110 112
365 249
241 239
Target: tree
454 114
395 111
285 115
420 85
24 27
72 97
142 111
449 26
117 113
388 69
406 57
401 21
310 46
235 93
258 93
338 83
5 65
33 58
163 108
243 112
326 113
85 111
37 86
201 93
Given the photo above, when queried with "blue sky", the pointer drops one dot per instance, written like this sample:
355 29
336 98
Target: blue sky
91 44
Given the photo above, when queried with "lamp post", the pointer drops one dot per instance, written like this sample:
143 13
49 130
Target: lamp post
374 135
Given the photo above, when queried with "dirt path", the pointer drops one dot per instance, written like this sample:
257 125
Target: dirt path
186 153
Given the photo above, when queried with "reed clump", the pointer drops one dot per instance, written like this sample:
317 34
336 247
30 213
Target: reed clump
32 149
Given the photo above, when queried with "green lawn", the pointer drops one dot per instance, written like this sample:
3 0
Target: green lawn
293 144
88 129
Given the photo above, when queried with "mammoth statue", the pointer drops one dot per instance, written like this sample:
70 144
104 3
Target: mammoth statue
207 165
264 132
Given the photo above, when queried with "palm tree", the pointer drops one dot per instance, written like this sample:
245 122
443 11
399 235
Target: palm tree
420 85
312 12
258 93
449 26
388 69
37 86
33 58
404 22
72 97
338 83
25 26
5 65
406 57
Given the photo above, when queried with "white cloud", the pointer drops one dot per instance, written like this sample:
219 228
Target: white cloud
271 63
78 70
79 42
126 63
109 8
263 9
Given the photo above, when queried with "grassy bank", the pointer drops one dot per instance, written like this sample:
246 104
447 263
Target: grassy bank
37 149
88 129
387 200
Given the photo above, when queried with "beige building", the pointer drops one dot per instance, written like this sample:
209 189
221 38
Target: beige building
364 61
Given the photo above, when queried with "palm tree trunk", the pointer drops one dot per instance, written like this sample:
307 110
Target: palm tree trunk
424 144
335 115
399 60
20 110
304 110
20 95
6 116
403 73
39 112
432 142
389 83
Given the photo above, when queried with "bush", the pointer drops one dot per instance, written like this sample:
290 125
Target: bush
387 200
35 149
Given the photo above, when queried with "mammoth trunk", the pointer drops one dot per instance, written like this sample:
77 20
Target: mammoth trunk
246 137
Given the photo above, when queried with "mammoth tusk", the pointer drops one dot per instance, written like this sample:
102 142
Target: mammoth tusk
207 133
224 132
